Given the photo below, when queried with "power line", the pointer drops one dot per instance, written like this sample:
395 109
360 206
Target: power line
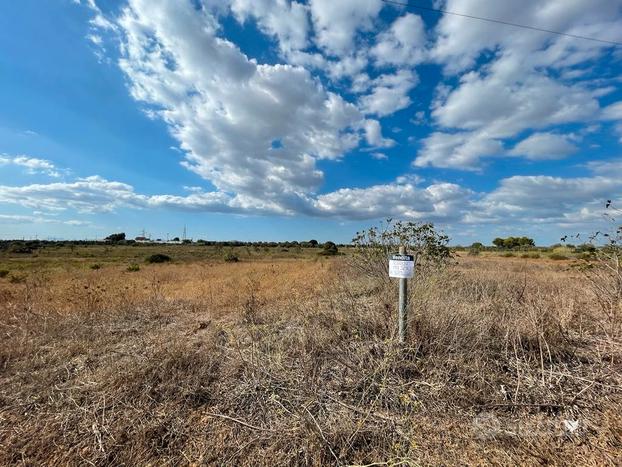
507 23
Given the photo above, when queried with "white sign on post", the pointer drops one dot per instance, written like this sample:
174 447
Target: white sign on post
402 266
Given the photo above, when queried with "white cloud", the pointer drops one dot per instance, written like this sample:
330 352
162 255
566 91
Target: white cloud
287 21
439 201
462 40
390 93
32 165
457 150
373 135
226 111
545 146
549 199
336 23
504 106
403 43
613 111
514 84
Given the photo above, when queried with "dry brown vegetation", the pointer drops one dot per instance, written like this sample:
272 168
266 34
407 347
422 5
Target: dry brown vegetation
293 362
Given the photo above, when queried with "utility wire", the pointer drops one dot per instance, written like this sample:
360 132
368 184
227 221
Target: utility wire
507 23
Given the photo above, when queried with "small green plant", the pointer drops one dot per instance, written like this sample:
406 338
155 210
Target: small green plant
4 273
95 266
159 258
133 268
231 258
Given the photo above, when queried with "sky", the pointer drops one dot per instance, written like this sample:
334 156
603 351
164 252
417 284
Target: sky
290 120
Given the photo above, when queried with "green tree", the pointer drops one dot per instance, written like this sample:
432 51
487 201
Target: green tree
329 249
498 242
115 238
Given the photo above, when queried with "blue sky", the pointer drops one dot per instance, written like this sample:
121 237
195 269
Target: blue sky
290 120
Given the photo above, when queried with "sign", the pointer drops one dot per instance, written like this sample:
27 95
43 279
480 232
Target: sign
402 266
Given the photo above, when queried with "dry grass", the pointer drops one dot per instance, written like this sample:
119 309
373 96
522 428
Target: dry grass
292 362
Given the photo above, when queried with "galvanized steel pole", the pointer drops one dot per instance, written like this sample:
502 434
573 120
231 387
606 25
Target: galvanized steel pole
403 303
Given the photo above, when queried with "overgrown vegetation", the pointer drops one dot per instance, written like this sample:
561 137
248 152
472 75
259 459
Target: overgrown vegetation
294 362
372 248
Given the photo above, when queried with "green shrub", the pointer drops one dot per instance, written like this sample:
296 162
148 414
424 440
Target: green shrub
474 251
133 268
558 257
4 272
508 255
231 258
534 255
95 266
158 258
329 249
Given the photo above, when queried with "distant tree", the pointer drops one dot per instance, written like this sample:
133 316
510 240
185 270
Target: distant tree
514 242
477 246
176 239
329 249
498 242
313 243
115 238
186 241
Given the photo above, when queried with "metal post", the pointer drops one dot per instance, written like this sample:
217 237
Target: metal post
403 303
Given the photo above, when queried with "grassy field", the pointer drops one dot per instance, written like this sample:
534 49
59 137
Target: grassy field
289 358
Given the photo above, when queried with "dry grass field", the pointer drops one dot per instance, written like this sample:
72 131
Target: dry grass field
292 361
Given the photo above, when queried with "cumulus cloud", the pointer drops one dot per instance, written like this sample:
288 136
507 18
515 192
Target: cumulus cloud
32 165
545 146
403 43
390 93
227 111
336 23
457 150
439 201
256 131
508 76
287 21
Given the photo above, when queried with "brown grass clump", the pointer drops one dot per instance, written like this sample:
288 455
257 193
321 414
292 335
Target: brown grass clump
293 362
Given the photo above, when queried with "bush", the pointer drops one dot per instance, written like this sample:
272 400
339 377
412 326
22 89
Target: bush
4 273
158 258
534 255
474 251
329 249
231 258
373 246
558 257
133 268
508 255
95 266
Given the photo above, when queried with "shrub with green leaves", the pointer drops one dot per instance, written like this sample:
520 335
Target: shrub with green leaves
4 273
372 247
133 268
329 249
